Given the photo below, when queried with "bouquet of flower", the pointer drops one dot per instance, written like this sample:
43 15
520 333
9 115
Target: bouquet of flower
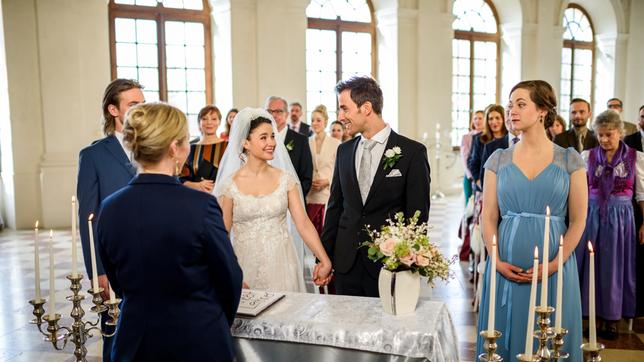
405 246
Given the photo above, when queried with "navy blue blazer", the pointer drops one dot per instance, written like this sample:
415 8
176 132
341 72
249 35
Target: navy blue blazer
103 168
488 150
166 252
474 161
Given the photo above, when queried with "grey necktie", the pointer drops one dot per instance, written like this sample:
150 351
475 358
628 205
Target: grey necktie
580 142
364 174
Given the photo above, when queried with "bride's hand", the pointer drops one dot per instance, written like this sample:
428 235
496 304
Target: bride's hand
245 286
322 273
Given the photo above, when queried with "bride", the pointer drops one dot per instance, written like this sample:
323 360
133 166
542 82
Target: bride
257 186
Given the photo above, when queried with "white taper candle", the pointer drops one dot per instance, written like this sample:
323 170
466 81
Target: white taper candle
546 259
52 278
74 232
492 306
591 299
92 249
37 260
558 306
529 336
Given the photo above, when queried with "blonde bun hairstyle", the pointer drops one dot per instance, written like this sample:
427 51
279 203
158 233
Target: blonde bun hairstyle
150 129
321 109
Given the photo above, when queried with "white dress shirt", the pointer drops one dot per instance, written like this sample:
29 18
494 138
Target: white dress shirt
119 136
376 152
281 135
510 137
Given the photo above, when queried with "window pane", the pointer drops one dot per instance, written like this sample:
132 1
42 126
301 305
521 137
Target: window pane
193 4
124 30
126 2
146 31
178 99
473 15
176 79
196 101
194 34
577 26
196 80
348 10
195 57
174 32
175 56
151 96
126 72
356 54
149 78
147 55
177 4
125 54
146 2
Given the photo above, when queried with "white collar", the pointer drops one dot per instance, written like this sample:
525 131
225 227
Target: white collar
381 136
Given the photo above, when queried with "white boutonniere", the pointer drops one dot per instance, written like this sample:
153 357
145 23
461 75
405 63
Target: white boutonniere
290 145
392 156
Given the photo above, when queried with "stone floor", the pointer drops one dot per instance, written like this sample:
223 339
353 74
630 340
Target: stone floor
21 341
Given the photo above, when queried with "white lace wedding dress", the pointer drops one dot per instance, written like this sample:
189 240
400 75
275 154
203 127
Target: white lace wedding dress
261 239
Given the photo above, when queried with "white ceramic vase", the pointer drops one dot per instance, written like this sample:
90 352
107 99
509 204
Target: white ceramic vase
399 291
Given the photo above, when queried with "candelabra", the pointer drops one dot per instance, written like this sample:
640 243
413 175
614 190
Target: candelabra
591 353
80 329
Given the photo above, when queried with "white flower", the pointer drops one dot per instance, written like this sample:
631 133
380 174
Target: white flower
390 153
397 150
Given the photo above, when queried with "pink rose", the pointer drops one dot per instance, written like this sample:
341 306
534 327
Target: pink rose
408 259
422 260
387 247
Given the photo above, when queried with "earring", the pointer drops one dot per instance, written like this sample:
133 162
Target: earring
177 170
243 157
541 118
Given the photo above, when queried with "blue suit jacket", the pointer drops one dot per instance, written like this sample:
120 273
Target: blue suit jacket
167 254
103 168
488 150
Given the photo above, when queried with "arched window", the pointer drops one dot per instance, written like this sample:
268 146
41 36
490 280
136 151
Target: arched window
577 58
340 42
165 45
475 62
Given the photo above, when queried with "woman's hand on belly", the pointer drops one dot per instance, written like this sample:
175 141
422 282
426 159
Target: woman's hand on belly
512 272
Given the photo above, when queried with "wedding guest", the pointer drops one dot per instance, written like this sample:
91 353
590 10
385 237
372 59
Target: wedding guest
229 121
476 126
171 261
494 128
511 139
520 182
296 123
615 174
200 169
296 144
337 130
104 167
617 105
324 149
635 141
578 136
557 127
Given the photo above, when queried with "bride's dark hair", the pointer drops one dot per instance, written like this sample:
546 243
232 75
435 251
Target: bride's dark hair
255 123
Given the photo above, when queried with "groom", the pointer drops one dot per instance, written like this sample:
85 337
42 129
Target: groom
367 190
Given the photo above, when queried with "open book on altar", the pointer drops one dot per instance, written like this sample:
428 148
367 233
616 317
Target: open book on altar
253 302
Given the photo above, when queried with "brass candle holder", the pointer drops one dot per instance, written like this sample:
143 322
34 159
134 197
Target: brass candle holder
80 329
592 353
490 346
544 333
558 343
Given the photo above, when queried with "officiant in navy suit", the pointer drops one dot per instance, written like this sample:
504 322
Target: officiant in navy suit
166 251
103 168
367 190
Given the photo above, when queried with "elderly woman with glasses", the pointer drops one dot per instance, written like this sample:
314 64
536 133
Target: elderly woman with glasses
615 174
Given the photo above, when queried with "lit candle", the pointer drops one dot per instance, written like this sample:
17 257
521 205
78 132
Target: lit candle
112 295
438 133
424 137
92 249
74 252
492 306
558 310
546 259
529 336
37 260
591 299
52 278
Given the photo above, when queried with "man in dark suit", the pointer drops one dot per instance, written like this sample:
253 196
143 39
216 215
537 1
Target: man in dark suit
103 168
635 141
367 191
296 124
578 136
296 144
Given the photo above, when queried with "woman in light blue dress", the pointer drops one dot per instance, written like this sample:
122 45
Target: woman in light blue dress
519 183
